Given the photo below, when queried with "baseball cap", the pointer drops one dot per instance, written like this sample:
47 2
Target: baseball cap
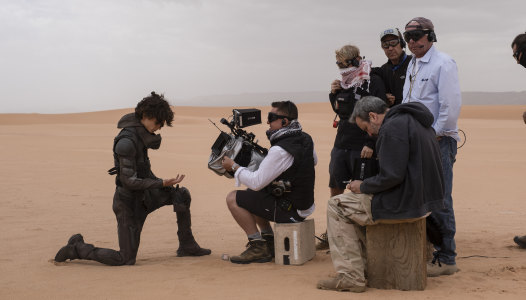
423 22
390 31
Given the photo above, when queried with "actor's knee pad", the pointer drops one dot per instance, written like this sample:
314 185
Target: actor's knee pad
182 199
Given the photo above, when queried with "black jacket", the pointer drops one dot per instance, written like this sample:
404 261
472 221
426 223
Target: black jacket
394 77
349 135
410 182
130 153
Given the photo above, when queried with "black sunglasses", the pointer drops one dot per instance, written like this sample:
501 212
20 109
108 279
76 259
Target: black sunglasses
348 62
273 117
391 43
415 35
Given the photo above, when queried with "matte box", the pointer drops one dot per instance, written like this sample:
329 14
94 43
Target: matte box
247 117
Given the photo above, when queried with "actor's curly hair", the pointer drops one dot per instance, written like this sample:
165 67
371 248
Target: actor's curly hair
519 40
155 106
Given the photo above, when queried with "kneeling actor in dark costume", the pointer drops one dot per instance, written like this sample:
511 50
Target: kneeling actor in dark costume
139 192
281 190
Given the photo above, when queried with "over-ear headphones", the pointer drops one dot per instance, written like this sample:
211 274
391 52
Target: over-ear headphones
431 36
352 62
402 42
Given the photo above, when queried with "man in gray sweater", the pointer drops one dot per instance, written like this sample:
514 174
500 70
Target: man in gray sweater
409 185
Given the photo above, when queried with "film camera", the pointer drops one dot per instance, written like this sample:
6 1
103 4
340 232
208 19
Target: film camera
238 144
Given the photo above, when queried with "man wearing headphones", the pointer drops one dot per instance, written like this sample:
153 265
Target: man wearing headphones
281 190
432 79
393 71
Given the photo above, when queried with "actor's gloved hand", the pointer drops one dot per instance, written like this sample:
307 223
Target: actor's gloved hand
173 181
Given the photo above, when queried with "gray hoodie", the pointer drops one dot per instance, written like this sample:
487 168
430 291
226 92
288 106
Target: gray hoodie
410 181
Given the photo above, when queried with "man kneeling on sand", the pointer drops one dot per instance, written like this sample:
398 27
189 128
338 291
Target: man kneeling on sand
409 185
139 192
289 164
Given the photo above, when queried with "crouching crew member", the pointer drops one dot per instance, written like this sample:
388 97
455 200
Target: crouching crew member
281 190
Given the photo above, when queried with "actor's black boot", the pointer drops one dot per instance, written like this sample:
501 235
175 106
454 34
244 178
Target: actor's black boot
521 241
69 251
187 244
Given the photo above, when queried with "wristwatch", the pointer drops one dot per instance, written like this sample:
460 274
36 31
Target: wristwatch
234 167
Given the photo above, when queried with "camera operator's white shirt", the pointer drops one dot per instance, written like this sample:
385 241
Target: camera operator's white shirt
276 162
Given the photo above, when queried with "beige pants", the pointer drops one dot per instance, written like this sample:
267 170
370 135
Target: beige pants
347 216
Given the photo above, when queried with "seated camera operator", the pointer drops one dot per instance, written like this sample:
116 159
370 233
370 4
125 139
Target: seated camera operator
281 190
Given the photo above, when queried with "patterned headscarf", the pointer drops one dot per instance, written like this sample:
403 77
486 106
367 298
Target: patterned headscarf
354 77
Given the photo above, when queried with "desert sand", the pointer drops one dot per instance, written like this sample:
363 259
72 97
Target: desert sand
53 184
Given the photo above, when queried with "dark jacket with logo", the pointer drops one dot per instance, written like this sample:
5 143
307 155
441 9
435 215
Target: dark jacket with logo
130 153
394 77
349 135
410 181
301 174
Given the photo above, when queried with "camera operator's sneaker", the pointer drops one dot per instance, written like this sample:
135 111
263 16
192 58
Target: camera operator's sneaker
323 242
340 283
521 241
257 251
439 269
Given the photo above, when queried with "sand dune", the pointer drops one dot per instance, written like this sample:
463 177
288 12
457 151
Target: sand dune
54 183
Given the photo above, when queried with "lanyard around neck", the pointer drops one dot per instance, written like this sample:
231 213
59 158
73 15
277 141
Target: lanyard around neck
412 79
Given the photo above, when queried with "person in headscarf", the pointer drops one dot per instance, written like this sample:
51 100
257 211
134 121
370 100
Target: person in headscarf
351 142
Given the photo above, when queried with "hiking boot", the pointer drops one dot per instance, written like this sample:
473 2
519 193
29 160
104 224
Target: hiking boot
521 241
435 270
257 251
270 242
340 283
192 249
323 242
69 251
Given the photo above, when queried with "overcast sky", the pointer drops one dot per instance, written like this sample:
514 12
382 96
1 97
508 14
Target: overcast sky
70 55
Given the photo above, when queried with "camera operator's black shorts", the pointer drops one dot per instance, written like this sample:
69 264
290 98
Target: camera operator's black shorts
341 166
263 204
